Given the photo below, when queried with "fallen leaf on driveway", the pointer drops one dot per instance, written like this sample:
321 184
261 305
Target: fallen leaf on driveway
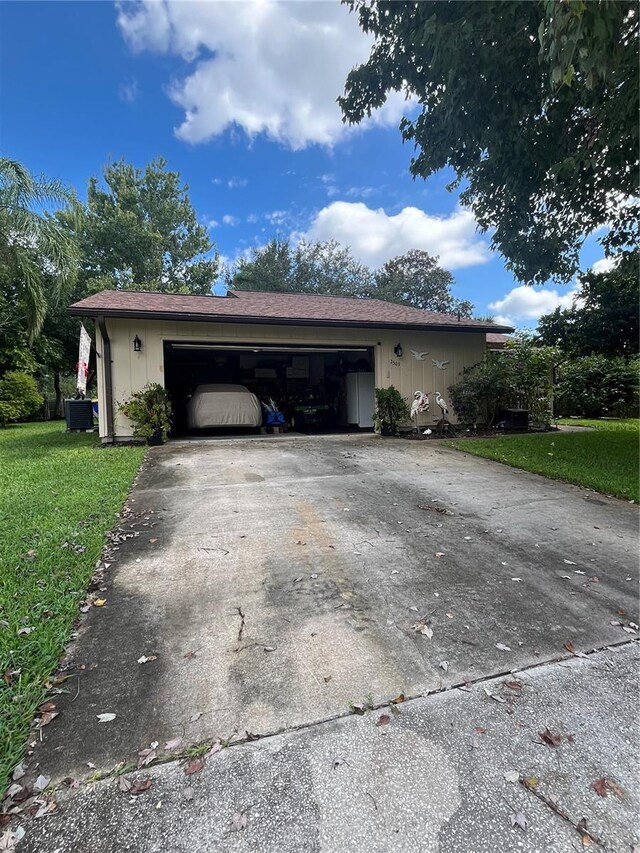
153 541
238 822
570 647
398 700
140 786
444 664
517 579
520 820
269 648
18 772
383 720
147 658
600 787
549 738
45 719
187 794
217 747
494 696
100 602
194 766
578 572
195 717
105 718
423 628
511 776
570 562
440 554
145 757
125 784
502 647
566 577
513 685
298 579
189 656
41 783
530 782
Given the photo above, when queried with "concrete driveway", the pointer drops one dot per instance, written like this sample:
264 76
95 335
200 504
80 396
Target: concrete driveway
277 582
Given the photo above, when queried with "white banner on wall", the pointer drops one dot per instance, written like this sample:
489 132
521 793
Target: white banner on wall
83 360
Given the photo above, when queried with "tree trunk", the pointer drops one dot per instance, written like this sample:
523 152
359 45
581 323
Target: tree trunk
59 408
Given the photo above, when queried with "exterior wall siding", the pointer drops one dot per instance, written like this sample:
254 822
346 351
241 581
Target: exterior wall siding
132 370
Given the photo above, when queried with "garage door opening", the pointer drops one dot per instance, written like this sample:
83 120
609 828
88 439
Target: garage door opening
239 388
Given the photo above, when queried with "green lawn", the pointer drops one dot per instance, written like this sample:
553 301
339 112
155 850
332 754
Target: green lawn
54 488
605 460
618 424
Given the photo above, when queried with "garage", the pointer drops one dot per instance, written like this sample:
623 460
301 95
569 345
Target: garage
252 360
303 388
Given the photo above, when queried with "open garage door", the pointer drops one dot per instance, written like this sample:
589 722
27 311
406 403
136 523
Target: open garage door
312 388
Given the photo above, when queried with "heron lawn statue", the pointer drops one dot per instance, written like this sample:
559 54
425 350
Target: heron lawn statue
419 405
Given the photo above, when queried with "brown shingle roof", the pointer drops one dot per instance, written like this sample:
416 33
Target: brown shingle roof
252 306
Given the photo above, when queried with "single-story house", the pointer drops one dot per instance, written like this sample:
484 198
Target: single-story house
280 345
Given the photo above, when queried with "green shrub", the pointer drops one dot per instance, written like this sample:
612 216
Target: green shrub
518 377
19 396
391 410
597 386
150 411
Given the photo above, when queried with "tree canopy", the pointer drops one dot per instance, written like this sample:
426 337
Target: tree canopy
534 105
416 279
139 231
604 318
279 266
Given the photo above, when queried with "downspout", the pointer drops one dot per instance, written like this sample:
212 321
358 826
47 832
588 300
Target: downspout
108 384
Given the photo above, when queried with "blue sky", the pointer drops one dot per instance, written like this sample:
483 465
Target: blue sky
239 97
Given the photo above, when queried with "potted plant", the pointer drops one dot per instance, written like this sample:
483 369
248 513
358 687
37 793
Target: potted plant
391 409
150 412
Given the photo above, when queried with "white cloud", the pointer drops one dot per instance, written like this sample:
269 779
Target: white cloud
228 219
216 181
277 217
375 236
209 223
604 265
237 183
129 92
263 66
525 303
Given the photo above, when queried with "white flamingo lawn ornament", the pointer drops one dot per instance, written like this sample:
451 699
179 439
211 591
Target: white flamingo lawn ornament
420 404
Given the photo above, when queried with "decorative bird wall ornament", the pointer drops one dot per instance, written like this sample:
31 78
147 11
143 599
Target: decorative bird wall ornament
441 365
419 356
440 401
419 405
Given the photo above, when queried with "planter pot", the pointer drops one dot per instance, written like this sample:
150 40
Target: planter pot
156 439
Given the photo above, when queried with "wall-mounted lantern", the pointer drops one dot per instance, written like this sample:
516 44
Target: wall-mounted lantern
398 350
137 344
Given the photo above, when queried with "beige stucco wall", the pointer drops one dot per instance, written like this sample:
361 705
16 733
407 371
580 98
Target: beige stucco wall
131 370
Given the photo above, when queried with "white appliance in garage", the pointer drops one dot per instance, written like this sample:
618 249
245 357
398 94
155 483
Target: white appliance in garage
361 398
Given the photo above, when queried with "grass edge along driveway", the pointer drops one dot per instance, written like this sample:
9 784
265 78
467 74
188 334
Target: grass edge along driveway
605 460
59 495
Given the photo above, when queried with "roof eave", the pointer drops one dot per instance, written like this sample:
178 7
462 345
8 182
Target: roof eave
181 316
